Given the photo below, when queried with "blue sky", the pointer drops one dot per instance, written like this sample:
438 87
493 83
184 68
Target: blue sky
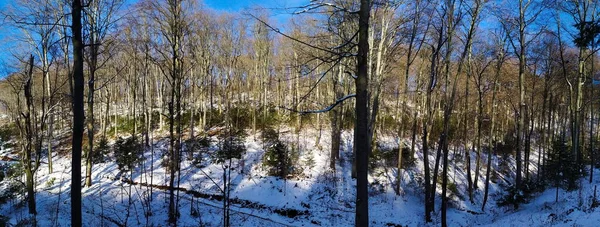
233 5
277 7
3 52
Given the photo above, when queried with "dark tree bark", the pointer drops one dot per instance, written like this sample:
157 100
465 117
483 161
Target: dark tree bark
29 140
361 133
78 115
591 150
90 120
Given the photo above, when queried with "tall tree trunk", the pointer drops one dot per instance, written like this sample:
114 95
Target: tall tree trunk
592 139
465 140
28 130
47 115
491 144
336 123
429 190
543 129
172 154
90 123
478 146
415 115
361 137
521 115
78 115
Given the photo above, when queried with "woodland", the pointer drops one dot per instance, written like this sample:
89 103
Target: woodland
449 109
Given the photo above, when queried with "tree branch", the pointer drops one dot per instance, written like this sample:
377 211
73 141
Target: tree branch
326 109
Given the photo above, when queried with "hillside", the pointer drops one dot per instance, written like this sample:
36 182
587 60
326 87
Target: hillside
313 196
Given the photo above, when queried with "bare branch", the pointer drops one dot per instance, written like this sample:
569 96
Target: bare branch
326 109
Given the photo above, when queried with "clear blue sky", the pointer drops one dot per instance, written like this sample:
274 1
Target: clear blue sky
234 5
4 54
277 8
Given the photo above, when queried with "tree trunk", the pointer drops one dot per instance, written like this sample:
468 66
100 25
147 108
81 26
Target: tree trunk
466 146
336 124
428 119
78 115
172 154
362 129
492 125
479 123
591 91
27 131
90 126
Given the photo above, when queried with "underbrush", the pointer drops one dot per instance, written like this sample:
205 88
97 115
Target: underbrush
6 134
516 196
279 160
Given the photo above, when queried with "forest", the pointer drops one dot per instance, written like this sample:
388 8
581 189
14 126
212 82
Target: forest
299 113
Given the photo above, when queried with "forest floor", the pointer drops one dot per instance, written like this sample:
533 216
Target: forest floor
314 196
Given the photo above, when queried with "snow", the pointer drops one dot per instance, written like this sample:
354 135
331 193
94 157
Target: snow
323 197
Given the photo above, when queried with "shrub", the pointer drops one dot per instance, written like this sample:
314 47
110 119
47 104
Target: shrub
11 191
392 123
276 159
269 136
7 131
14 170
270 119
389 157
196 148
128 153
309 161
155 120
231 146
595 160
508 144
376 188
383 154
214 118
6 134
101 151
437 129
240 116
561 169
453 188
50 182
126 124
515 196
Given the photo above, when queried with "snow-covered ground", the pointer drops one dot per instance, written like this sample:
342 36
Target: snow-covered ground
316 197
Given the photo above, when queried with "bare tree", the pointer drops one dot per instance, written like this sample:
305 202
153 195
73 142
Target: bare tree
517 27
415 43
172 22
99 18
39 24
583 13
500 57
28 123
